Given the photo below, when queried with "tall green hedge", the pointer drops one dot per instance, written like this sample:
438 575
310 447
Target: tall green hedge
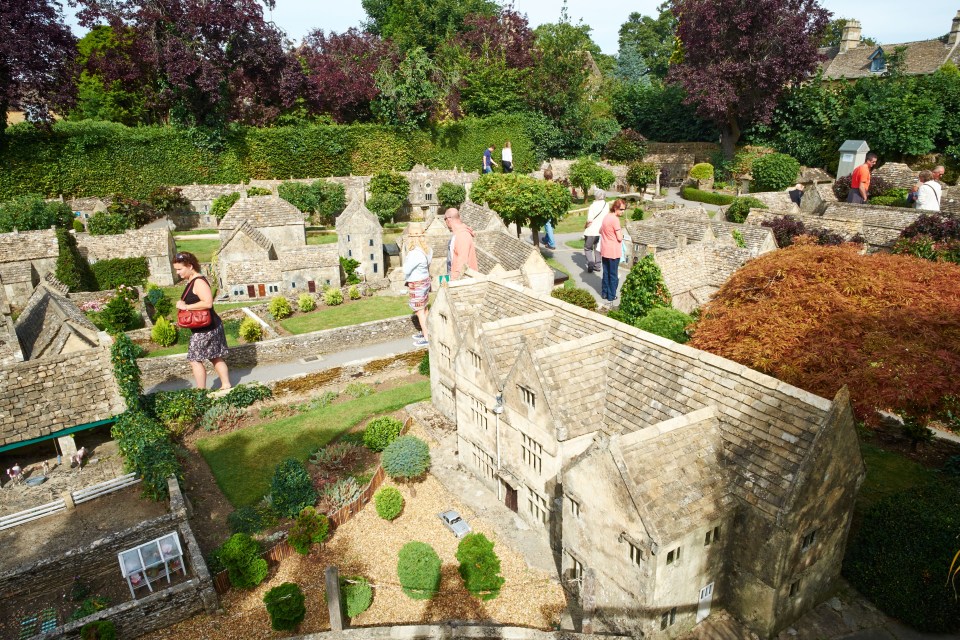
90 158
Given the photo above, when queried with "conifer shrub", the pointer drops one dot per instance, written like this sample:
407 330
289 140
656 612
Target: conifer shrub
575 295
72 268
280 308
774 172
309 528
424 367
739 209
418 568
643 290
356 593
78 225
333 297
240 556
306 303
251 330
667 322
291 489
389 503
479 566
164 333
381 432
285 604
119 315
406 458
252 519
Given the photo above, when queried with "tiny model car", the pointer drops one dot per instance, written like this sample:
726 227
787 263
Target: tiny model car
457 525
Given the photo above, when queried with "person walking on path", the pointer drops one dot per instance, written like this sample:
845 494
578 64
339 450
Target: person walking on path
591 230
860 181
209 342
548 239
416 277
506 158
488 162
611 237
462 251
928 193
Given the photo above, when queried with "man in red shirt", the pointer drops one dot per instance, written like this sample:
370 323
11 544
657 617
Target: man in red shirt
860 180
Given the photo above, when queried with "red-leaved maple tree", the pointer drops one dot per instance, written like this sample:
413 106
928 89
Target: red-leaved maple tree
886 326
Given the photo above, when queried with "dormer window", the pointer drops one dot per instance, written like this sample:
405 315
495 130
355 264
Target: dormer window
878 63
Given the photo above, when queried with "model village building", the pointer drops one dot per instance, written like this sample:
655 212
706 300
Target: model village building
678 480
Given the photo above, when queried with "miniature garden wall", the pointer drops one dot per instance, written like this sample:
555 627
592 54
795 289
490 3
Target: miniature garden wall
135 617
157 370
99 158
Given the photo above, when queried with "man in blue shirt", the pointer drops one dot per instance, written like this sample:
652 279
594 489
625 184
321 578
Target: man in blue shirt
488 162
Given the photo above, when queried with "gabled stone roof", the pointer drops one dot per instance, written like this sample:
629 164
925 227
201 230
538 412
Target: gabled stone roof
261 211
505 339
252 272
508 251
357 216
663 233
310 257
575 378
699 270
675 474
767 426
248 230
13 272
133 243
922 57
49 320
204 192
480 218
18 246
899 175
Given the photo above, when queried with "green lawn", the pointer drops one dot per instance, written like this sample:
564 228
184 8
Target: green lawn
243 461
321 238
571 224
350 312
575 244
203 249
230 327
198 232
888 473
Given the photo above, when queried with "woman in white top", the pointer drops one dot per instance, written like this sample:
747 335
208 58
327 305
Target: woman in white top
416 275
928 194
506 157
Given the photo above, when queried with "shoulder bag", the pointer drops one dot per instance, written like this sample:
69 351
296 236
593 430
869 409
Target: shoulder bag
193 318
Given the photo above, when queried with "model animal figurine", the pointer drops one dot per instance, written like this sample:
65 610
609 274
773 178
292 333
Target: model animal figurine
78 457
15 473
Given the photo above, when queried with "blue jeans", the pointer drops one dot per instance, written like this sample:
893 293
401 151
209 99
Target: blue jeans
611 278
548 235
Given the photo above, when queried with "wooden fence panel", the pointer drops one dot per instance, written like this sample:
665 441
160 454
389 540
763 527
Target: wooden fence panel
34 513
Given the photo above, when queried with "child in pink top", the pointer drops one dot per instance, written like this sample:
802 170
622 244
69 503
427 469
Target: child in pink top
611 238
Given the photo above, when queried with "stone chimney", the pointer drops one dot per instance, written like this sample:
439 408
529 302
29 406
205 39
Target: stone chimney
850 39
954 30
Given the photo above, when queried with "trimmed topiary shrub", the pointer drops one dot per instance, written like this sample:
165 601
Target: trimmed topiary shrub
901 555
418 568
702 172
451 195
118 315
406 458
252 519
381 432
739 209
349 266
164 333
285 604
389 503
774 172
626 146
385 206
240 556
878 186
309 527
640 174
577 296
333 297
79 228
222 204
354 293
637 214
709 197
251 330
356 594
666 322
643 290
479 566
280 308
291 489
110 274
99 630
306 302
72 268
258 191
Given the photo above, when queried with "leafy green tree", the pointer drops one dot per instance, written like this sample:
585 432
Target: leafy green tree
417 23
666 322
479 566
101 100
410 95
659 113
491 87
585 173
643 290
31 213
523 200
651 40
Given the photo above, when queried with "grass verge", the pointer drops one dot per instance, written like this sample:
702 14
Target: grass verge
350 312
575 244
243 461
571 224
230 327
203 249
888 473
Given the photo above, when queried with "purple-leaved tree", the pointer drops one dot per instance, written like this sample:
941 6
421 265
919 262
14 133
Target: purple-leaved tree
736 57
37 52
208 61
340 70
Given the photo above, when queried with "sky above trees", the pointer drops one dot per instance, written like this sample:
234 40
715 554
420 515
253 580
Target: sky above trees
883 20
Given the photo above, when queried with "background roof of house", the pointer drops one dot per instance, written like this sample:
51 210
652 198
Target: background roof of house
262 211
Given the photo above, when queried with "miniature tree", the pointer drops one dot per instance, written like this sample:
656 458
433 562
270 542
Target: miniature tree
418 568
309 527
285 604
479 566
407 458
240 554
291 488
389 503
381 432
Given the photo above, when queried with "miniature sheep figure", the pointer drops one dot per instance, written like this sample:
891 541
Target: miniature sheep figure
78 458
15 474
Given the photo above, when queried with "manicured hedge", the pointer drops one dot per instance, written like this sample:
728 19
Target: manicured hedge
99 158
698 195
110 274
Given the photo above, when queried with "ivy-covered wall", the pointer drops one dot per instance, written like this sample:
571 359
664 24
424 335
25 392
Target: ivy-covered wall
99 158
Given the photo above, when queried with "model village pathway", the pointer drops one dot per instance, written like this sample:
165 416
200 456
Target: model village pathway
846 616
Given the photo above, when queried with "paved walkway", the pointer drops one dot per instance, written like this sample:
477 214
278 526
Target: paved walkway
278 371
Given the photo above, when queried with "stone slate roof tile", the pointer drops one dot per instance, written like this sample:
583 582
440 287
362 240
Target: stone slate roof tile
357 217
922 57
28 245
133 243
11 272
899 175
48 320
506 338
261 211
253 272
310 257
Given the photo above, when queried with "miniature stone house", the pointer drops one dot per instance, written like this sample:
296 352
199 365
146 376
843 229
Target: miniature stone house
263 252
25 256
360 237
156 245
422 203
682 481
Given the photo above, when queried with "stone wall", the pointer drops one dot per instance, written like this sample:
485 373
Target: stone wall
158 370
187 221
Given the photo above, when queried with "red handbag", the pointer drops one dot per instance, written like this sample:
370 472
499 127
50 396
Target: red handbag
193 318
